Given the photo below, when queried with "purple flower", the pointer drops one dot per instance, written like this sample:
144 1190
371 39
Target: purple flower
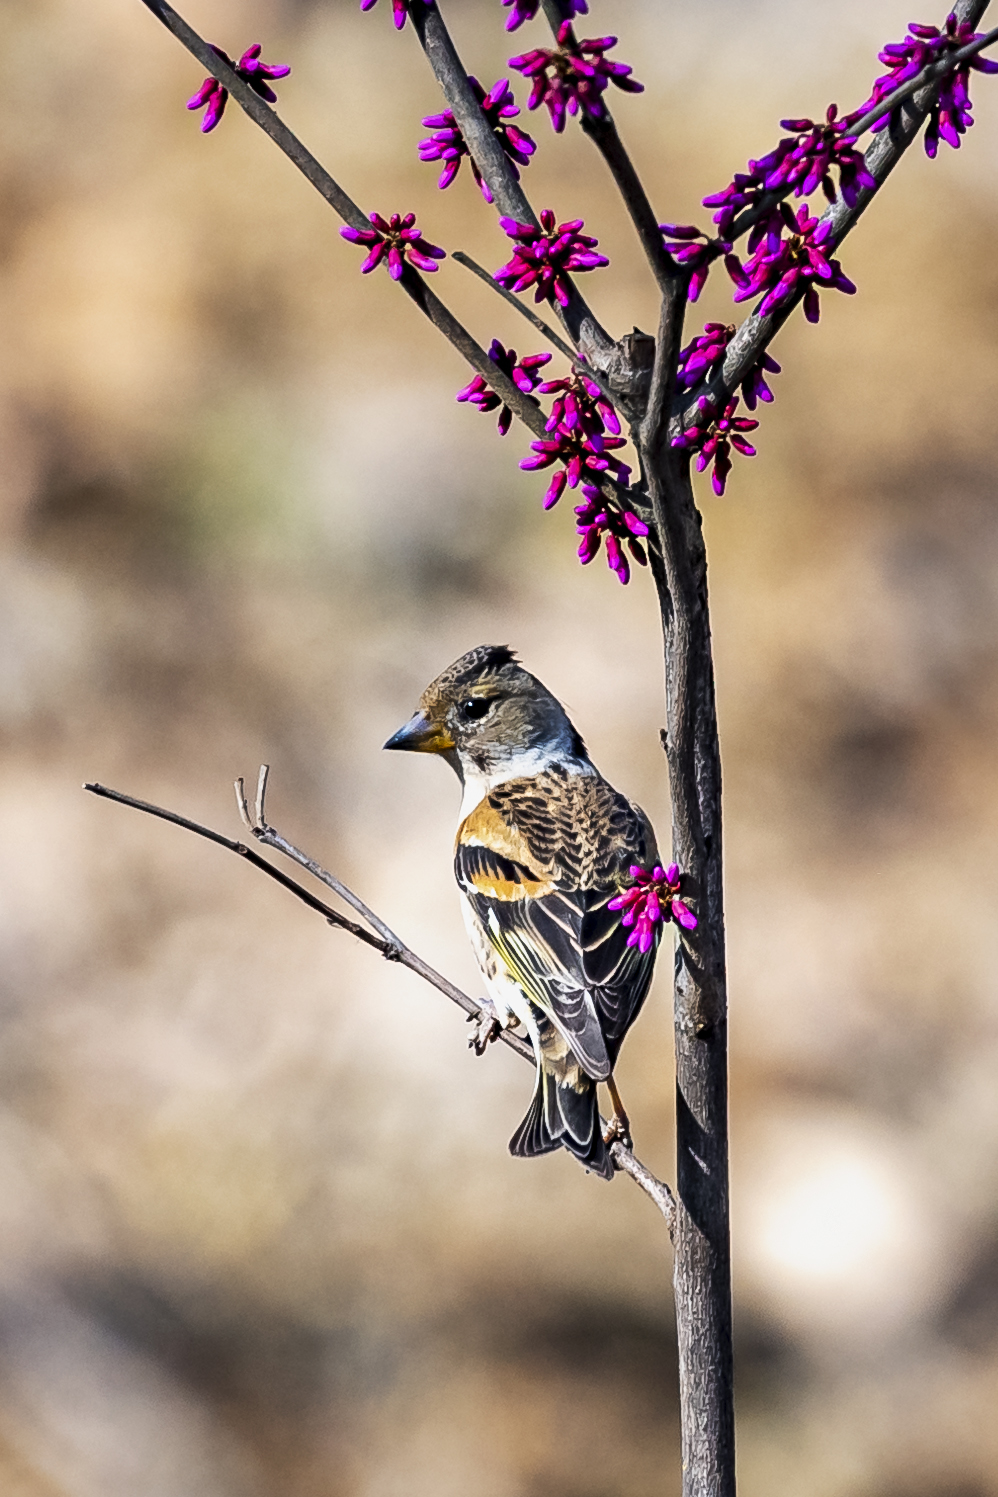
950 115
581 458
705 352
544 257
754 386
523 373
525 10
399 240
598 520
713 437
651 899
580 406
780 267
700 355
250 69
801 162
448 145
743 191
680 242
574 77
805 160
400 9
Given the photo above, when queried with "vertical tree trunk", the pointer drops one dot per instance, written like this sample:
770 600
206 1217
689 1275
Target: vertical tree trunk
702 1250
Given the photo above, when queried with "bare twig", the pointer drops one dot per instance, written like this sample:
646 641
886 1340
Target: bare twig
514 301
489 156
604 135
385 941
576 360
333 916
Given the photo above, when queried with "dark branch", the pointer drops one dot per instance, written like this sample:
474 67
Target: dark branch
930 73
749 217
489 156
514 301
411 281
574 359
333 916
756 333
606 138
386 942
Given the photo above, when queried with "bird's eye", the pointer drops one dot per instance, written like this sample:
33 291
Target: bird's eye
476 707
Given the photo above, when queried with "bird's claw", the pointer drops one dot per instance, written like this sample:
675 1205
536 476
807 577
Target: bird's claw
487 1028
618 1132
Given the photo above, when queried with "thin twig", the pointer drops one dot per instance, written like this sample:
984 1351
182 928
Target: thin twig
386 941
602 131
333 916
489 156
514 301
575 359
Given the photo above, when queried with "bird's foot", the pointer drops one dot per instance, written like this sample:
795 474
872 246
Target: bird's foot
487 1028
618 1131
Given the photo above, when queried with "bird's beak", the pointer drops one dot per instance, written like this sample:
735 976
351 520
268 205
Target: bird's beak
421 736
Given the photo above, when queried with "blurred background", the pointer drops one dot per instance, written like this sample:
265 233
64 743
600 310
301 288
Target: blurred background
259 1232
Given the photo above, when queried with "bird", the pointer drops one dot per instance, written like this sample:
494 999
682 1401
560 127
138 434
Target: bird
544 843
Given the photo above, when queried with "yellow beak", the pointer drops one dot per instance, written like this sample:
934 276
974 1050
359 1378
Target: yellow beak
421 736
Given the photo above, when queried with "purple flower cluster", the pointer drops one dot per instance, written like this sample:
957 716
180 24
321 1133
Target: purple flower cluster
580 406
400 10
805 160
680 242
544 258
573 77
651 899
448 145
704 352
522 372
714 436
398 239
525 10
781 266
950 116
597 520
801 162
581 457
250 69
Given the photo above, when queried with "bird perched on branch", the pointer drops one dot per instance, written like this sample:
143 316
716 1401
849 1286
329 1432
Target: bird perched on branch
543 845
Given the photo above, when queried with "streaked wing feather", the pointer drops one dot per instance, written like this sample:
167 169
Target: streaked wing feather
540 858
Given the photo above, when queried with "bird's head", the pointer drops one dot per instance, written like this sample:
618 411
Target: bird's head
489 717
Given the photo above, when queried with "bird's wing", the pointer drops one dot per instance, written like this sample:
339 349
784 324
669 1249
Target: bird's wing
539 859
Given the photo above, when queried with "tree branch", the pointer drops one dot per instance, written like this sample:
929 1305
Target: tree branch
756 333
489 156
606 138
930 73
515 301
411 281
934 71
385 941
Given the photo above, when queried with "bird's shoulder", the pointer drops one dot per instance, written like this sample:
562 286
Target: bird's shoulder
566 829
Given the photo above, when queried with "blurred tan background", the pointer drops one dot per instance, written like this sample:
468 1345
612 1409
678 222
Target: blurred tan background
259 1232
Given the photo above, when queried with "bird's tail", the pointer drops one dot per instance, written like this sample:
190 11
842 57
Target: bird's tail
562 1115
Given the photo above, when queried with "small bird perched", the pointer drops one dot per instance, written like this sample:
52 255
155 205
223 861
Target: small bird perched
544 843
